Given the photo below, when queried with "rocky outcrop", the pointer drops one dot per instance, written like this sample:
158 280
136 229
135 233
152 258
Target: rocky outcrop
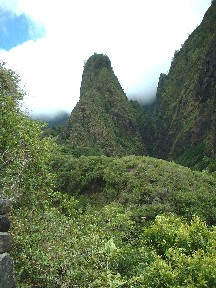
6 244
104 120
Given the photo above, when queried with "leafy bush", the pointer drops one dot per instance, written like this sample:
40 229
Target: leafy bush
195 159
184 254
24 155
148 186
96 248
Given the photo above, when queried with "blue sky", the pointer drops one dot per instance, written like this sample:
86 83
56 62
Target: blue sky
13 31
47 42
17 29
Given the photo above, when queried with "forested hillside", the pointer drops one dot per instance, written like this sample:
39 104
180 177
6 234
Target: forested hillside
101 221
90 209
182 125
186 107
104 121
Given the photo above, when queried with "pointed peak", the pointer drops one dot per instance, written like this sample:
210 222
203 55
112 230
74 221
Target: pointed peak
98 61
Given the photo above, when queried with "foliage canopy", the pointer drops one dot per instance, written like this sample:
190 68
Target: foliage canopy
24 154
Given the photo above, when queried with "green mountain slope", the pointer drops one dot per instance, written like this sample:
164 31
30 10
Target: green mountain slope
103 231
183 126
104 120
186 110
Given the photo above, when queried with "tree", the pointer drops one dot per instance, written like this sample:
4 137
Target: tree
24 153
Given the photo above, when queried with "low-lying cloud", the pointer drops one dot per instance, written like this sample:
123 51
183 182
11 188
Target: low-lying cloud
139 37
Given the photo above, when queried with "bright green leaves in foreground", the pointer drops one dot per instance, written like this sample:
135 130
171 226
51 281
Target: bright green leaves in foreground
185 253
104 248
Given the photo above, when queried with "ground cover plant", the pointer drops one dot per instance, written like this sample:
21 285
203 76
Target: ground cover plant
67 247
111 226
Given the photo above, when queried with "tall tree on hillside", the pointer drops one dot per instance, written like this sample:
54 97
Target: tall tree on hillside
23 153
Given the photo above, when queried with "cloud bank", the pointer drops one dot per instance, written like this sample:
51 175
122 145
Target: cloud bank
139 37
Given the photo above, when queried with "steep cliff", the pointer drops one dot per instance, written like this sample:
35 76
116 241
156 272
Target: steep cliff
186 108
104 120
183 119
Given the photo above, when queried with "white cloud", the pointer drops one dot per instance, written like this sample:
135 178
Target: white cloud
140 38
10 5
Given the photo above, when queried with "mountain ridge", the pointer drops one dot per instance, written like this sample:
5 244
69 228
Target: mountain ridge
186 112
182 119
104 119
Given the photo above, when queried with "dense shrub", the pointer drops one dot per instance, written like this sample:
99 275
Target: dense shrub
68 247
148 186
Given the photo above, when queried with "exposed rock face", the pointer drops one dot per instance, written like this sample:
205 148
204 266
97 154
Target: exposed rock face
6 271
5 206
6 244
186 112
104 119
4 223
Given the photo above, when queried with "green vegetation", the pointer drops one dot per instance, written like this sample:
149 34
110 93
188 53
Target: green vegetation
104 248
112 224
104 120
145 185
182 120
126 220
195 159
185 115
23 154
